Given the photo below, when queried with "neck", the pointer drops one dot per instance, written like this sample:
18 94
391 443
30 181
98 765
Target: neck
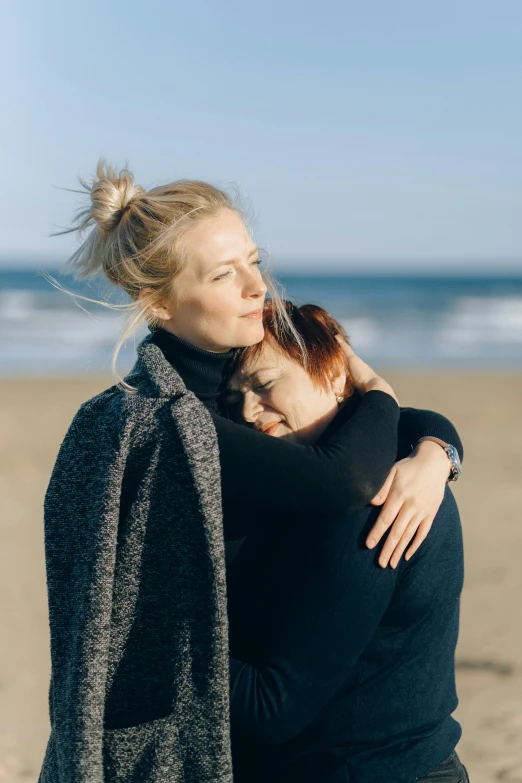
201 370
168 327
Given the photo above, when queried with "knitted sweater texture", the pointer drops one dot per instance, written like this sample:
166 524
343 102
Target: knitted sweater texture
137 589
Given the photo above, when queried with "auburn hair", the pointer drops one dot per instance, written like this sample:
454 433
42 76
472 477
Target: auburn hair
318 332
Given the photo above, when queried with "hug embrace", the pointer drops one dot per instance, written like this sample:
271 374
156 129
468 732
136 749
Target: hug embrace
254 560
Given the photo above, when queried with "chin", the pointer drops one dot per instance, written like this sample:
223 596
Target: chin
251 336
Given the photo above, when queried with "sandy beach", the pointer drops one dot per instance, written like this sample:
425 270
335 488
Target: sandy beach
487 410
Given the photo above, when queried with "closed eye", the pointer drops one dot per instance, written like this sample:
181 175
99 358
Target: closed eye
220 277
256 262
262 386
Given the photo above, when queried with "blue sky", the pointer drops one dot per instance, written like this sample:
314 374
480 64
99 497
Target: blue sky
361 134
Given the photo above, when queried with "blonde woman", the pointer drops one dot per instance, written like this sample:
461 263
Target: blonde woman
148 475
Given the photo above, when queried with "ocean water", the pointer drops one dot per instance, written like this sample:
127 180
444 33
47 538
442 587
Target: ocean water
454 322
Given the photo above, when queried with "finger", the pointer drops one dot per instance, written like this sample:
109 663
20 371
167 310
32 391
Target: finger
394 536
422 533
347 348
385 520
406 537
382 496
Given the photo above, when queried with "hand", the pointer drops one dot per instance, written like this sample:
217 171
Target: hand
364 378
411 495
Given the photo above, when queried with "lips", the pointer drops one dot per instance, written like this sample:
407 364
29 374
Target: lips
270 428
254 314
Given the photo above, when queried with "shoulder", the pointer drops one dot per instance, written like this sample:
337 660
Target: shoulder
447 522
107 407
135 416
112 413
342 535
330 554
443 547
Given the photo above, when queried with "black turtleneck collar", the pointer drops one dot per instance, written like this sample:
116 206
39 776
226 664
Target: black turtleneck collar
201 371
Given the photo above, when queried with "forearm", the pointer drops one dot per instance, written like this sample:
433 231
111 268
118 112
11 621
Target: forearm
341 474
415 424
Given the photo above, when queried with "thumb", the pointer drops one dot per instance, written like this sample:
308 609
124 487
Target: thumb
382 496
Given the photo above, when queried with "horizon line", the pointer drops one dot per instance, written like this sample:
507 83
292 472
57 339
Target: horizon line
332 271
29 261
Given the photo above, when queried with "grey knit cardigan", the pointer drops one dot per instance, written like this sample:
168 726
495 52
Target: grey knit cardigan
137 589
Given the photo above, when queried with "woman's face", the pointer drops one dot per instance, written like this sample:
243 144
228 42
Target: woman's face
217 301
276 396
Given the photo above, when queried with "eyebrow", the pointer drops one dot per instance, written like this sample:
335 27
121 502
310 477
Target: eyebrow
253 252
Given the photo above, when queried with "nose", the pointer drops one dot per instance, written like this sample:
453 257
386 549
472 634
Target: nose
251 407
255 286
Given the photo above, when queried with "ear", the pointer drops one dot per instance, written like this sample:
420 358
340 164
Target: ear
156 306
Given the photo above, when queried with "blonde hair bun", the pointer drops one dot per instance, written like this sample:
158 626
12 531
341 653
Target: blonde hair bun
136 238
112 193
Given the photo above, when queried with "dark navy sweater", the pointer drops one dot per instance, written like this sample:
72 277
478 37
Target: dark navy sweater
278 592
341 670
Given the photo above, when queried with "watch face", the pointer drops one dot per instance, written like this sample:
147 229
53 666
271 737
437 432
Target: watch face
455 459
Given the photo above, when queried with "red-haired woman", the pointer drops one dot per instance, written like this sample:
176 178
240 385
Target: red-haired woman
341 670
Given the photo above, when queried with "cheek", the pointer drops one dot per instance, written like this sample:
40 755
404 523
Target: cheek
221 304
210 306
288 402
302 413
277 401
307 405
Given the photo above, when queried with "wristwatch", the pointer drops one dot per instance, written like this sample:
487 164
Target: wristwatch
453 456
